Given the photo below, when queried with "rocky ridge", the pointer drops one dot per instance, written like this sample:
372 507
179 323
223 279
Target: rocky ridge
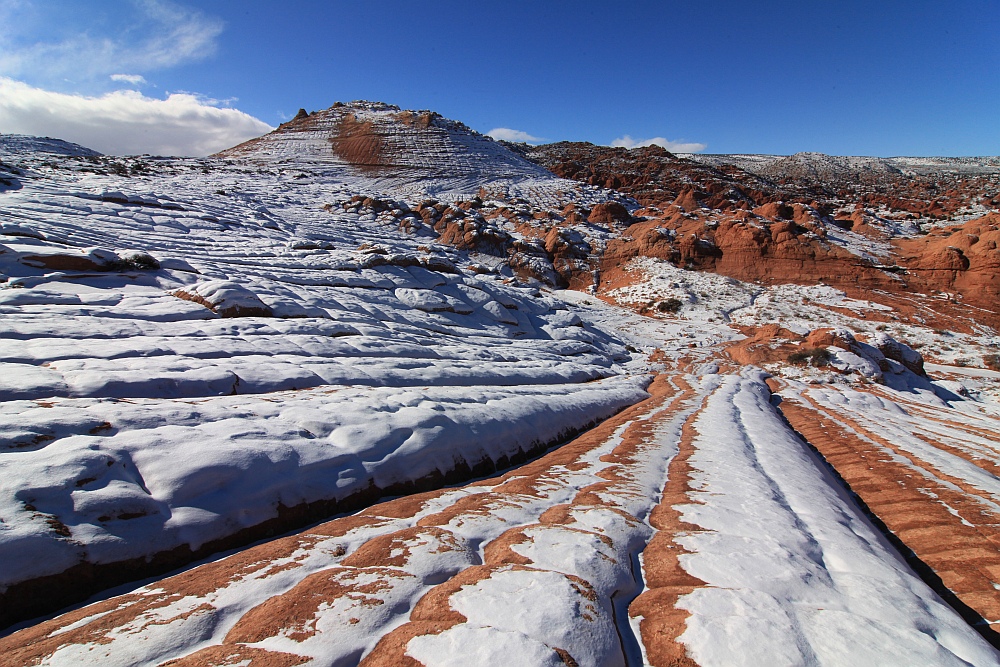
868 223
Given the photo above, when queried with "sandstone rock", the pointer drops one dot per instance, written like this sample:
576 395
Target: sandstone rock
901 352
962 258
609 213
91 259
226 299
832 337
15 229
775 211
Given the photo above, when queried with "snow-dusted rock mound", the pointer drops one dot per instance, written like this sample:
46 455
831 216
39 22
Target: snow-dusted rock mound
395 148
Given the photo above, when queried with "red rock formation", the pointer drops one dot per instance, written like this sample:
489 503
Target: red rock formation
609 213
358 143
768 344
654 176
963 258
701 217
746 248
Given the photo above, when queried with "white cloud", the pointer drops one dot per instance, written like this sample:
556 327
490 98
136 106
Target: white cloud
126 122
161 35
507 134
134 79
672 146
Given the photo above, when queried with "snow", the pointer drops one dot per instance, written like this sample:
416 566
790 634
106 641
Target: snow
478 645
811 569
709 297
876 252
546 606
430 560
172 473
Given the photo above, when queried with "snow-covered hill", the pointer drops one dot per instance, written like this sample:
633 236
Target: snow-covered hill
14 144
401 152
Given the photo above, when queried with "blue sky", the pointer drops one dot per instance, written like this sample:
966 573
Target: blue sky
872 78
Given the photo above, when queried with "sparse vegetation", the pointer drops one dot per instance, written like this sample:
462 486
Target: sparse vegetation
138 262
992 361
119 168
671 305
817 357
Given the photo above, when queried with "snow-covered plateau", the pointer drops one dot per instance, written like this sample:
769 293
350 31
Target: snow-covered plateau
333 375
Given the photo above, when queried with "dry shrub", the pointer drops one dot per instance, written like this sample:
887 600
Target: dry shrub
817 357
